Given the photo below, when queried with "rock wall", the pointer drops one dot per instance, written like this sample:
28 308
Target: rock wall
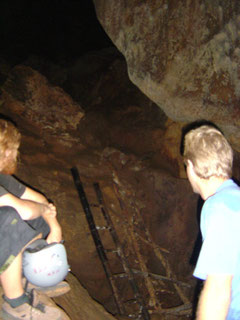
184 55
108 146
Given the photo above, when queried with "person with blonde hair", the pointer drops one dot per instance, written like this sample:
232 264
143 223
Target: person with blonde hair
25 215
209 158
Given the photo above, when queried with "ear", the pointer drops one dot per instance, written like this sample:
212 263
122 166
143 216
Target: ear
7 153
189 164
190 167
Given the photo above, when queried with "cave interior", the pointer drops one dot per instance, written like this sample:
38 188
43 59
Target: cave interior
107 155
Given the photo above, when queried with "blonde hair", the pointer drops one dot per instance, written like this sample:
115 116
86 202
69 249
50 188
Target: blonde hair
9 137
209 152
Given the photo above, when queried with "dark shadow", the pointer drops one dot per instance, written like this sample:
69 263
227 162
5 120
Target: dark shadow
236 181
195 125
198 242
194 258
4 117
197 291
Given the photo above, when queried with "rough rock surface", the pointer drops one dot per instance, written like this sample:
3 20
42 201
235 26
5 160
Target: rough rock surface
184 55
78 304
28 92
138 175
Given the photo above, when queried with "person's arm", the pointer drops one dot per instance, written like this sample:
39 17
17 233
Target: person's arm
30 194
215 298
27 209
32 205
49 215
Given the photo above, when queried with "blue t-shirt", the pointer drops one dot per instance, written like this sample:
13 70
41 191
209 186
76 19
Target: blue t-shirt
220 252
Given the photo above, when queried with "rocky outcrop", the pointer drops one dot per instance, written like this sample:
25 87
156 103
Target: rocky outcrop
78 304
108 146
29 94
185 56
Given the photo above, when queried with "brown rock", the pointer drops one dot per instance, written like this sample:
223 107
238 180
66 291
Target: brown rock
79 305
52 110
184 56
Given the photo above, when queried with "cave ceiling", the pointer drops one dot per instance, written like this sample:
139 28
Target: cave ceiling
184 55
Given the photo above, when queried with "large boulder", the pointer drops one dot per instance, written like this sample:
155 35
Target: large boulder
29 94
185 56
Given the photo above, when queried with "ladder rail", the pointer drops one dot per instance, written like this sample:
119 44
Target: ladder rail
135 238
97 240
120 252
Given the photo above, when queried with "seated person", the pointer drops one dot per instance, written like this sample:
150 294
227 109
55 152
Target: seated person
25 215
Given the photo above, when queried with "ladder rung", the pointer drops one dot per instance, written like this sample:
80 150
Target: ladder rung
102 227
120 275
111 251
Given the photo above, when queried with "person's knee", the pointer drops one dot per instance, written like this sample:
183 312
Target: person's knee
39 224
10 213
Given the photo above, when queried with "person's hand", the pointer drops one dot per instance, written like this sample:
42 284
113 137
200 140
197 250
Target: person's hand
55 235
48 210
51 210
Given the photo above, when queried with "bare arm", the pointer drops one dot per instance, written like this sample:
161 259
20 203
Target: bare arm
27 209
215 298
49 215
31 205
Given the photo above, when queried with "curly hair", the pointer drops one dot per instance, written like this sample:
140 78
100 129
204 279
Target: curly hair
209 152
9 141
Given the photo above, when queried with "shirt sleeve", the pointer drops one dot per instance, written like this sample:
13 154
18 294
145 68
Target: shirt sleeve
3 191
9 184
220 249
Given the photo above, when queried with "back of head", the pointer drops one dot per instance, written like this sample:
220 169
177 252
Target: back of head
209 152
9 143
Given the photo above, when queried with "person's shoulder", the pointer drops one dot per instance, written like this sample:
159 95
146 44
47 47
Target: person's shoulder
230 191
4 177
225 203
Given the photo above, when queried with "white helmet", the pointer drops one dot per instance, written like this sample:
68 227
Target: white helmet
44 264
